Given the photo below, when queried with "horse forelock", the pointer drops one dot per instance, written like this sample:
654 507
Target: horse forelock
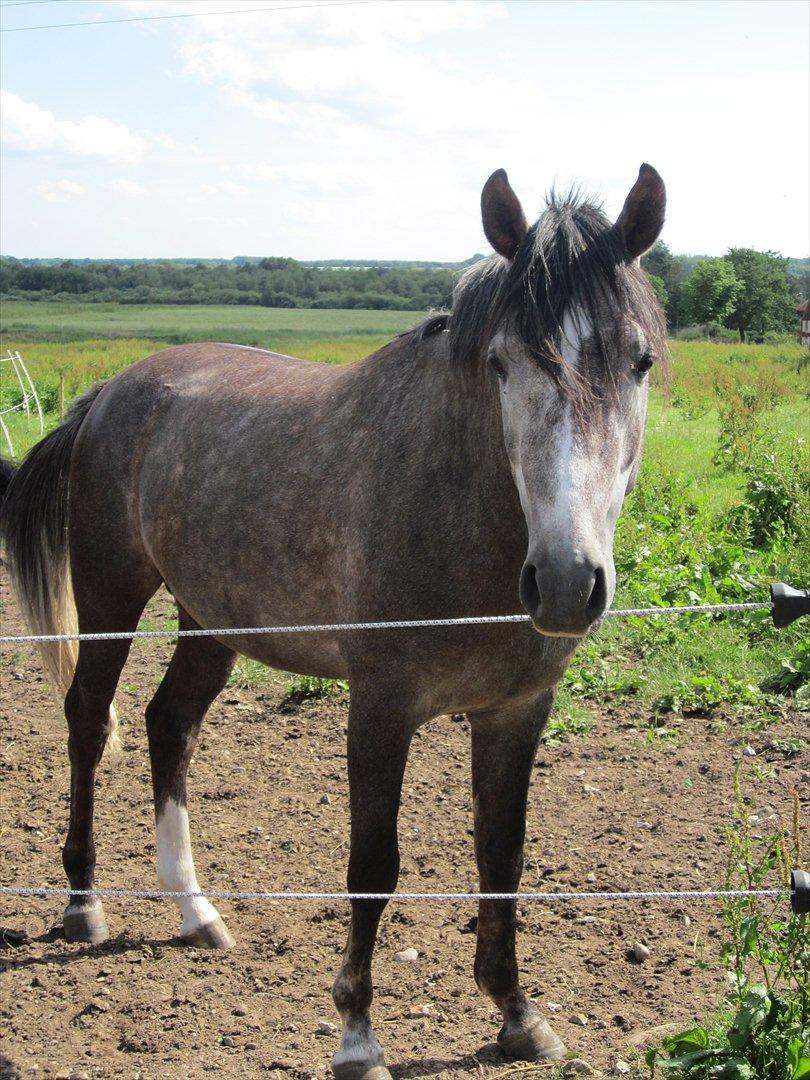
571 260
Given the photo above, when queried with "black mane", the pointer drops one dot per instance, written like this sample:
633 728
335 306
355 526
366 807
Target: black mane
572 257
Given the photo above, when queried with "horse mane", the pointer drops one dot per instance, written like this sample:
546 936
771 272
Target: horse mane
571 258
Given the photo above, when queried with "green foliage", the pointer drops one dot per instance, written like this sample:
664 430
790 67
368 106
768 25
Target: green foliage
660 289
306 687
710 331
671 270
763 1032
566 722
273 282
794 673
789 747
703 693
776 499
741 403
765 301
711 291
250 675
768 289
598 678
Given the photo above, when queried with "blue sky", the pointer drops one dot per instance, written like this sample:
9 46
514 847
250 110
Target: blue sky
367 130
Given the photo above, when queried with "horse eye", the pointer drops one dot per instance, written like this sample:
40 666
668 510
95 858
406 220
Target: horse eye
644 364
497 366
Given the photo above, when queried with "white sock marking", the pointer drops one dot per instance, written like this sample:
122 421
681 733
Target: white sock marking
175 867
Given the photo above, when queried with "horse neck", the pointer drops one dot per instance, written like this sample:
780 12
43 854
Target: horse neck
447 416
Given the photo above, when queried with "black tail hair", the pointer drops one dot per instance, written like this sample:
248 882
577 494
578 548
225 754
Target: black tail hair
33 526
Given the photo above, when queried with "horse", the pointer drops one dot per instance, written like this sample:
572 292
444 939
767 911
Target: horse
478 459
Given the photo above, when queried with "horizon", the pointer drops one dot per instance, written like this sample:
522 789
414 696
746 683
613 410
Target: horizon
438 263
372 127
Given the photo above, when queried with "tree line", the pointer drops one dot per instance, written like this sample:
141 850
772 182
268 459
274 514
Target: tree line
746 291
271 282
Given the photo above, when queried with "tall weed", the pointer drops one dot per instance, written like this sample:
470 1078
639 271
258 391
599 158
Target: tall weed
763 1030
741 403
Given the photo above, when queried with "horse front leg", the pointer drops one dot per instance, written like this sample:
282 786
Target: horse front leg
378 741
503 748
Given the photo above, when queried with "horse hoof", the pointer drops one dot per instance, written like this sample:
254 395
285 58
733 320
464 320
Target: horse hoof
86 924
354 1071
534 1042
213 935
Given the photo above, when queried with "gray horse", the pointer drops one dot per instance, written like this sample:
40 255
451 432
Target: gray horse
479 458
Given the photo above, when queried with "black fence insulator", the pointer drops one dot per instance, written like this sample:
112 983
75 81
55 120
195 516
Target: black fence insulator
800 892
789 604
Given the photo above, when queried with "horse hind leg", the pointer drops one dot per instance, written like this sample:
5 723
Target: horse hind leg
198 671
91 724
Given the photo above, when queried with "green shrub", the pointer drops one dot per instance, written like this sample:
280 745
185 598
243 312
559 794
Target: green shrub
776 499
778 337
712 331
763 1032
794 675
740 409
703 693
305 687
691 407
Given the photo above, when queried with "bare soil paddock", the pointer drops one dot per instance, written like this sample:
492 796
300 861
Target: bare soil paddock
634 814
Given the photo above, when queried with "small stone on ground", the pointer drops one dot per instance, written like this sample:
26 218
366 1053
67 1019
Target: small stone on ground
407 956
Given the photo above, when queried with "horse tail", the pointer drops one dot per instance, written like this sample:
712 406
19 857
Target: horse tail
33 525
7 471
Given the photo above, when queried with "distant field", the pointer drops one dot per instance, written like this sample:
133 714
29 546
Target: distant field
25 321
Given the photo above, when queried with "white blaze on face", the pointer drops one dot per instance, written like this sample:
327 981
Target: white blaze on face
560 518
175 867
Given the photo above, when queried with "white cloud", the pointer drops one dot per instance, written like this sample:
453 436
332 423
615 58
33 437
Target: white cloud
368 130
224 187
128 187
338 178
60 190
357 69
28 127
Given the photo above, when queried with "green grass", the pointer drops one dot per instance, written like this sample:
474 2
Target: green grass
27 321
251 675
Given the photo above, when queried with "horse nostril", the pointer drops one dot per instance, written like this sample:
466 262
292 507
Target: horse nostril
528 590
597 601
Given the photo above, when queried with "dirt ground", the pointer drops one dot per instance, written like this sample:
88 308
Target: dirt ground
611 811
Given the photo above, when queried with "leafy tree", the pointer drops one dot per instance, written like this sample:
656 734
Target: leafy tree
799 278
765 301
658 261
659 288
711 291
671 269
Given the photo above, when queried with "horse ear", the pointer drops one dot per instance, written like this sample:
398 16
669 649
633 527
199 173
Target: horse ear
504 221
642 217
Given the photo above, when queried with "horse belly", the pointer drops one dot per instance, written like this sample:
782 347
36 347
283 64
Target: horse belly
303 654
239 544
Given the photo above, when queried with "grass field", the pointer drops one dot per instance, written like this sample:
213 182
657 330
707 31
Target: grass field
720 511
25 321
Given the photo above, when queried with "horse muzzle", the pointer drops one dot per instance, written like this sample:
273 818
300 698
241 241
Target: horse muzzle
566 600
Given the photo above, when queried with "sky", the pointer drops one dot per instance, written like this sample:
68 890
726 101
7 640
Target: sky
366 130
